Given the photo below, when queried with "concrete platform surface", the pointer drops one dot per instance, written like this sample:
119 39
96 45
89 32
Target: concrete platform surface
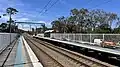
19 56
97 48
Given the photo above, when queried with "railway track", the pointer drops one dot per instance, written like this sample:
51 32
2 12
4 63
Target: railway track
65 57
8 49
42 55
79 57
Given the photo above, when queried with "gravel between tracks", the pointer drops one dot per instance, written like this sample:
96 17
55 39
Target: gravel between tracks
65 61
45 59
63 57
81 58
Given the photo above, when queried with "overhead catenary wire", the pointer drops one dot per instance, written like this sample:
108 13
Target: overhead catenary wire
45 7
90 1
50 7
56 2
105 2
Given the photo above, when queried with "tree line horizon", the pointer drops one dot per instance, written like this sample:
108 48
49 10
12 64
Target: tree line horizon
80 21
87 21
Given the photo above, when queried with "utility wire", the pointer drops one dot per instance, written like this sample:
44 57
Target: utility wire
89 1
45 7
101 4
105 2
50 7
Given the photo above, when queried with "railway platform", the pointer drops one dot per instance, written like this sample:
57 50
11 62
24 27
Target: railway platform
92 47
19 54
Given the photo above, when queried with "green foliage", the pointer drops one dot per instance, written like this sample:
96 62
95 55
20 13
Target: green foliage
10 26
85 21
11 10
4 27
117 30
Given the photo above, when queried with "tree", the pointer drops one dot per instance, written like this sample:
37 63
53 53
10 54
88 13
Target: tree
101 18
118 22
44 28
4 27
62 21
117 30
71 24
84 20
112 17
81 16
59 24
11 11
75 12
56 25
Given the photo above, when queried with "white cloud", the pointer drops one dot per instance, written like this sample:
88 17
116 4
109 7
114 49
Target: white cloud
20 4
41 22
11 3
22 19
26 27
24 13
48 24
66 3
5 18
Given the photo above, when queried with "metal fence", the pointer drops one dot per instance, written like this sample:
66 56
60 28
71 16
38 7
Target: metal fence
86 37
5 39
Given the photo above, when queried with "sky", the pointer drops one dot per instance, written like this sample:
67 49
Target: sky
29 10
